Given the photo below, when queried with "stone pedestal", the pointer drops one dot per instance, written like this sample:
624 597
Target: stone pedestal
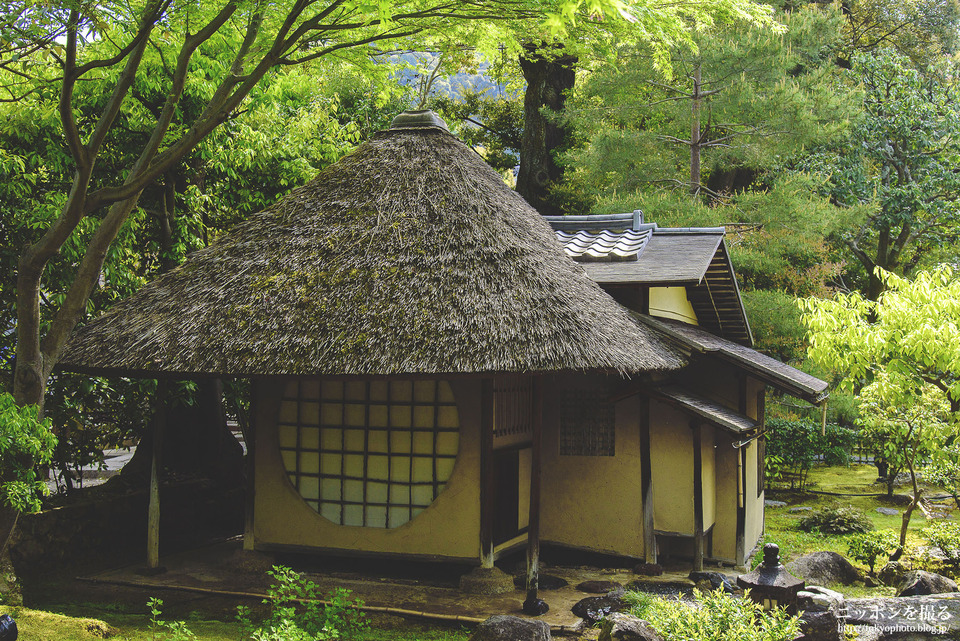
486 581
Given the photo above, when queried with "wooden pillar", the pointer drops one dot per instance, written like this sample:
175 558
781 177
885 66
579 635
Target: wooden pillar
646 484
533 604
741 551
249 438
153 508
487 480
697 499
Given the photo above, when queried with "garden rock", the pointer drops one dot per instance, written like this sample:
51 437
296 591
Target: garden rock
599 587
800 508
772 503
594 608
824 568
712 581
623 627
815 598
648 569
920 582
820 626
892 573
503 627
888 511
913 618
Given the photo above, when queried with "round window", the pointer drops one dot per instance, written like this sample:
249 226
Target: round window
368 453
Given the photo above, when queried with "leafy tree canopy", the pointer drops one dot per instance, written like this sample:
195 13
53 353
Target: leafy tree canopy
902 353
899 159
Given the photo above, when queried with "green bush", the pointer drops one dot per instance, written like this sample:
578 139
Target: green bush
867 546
836 520
716 617
946 536
800 443
297 613
26 442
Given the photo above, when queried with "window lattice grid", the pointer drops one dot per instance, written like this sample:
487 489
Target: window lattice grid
513 405
587 425
368 453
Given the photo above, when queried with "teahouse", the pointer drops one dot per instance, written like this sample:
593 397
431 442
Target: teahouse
435 378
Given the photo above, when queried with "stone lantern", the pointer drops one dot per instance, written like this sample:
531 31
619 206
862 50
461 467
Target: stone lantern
770 584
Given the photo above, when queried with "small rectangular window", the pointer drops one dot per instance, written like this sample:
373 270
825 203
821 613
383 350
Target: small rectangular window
587 426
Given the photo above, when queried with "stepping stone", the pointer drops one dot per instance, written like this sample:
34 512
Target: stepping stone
801 508
888 511
599 587
772 503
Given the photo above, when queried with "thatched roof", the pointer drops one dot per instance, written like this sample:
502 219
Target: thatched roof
408 256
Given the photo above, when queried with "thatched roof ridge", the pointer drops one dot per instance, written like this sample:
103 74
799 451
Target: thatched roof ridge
408 256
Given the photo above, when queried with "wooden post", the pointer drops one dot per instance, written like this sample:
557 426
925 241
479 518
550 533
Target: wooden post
153 509
249 438
533 604
697 499
741 549
646 484
487 480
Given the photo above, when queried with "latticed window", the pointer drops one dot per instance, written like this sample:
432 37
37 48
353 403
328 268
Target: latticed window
587 426
513 405
369 453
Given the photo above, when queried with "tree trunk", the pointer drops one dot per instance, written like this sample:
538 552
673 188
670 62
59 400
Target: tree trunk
548 78
9 584
905 521
200 443
695 135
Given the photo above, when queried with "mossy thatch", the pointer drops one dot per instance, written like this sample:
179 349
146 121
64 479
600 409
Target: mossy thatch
409 256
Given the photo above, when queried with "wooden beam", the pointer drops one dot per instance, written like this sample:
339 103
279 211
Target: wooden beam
487 477
646 484
153 508
697 498
533 604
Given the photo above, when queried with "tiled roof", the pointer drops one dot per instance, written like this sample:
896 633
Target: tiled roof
604 245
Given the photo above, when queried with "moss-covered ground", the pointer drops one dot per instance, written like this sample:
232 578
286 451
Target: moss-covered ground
101 623
852 486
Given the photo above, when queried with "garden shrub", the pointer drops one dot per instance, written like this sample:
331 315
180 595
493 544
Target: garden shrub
946 536
716 617
836 520
297 613
867 546
799 444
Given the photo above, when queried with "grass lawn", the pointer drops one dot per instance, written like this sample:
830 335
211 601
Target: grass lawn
781 524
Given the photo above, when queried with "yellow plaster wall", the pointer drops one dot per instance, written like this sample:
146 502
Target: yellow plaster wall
727 499
671 456
450 527
592 502
526 461
672 302
754 502
715 380
754 513
708 475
